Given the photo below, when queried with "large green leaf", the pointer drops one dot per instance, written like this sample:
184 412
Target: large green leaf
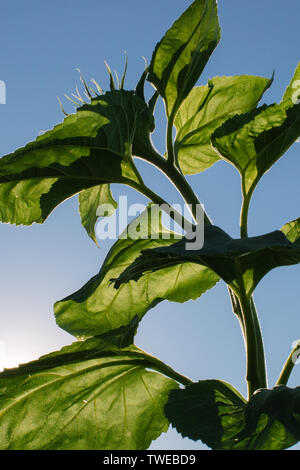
205 109
209 410
89 148
254 141
232 259
215 413
89 202
97 307
183 52
91 395
272 419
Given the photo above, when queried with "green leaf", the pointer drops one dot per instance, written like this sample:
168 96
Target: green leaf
293 90
89 148
89 202
183 52
253 142
272 419
209 410
215 413
250 258
97 307
292 231
205 109
91 395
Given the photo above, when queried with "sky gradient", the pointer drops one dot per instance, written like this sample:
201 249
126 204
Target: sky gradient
43 43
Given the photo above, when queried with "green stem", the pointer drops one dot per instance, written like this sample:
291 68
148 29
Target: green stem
255 362
256 365
260 346
237 310
176 216
170 148
245 207
288 366
243 306
244 217
177 179
160 366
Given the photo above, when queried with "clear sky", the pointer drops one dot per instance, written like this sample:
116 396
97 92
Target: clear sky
42 44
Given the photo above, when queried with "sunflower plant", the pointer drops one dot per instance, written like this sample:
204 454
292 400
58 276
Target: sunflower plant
102 391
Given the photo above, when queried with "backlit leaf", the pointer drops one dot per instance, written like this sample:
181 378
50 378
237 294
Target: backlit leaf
89 148
183 52
209 410
91 395
254 141
252 258
272 419
292 231
205 109
98 307
293 90
89 202
215 413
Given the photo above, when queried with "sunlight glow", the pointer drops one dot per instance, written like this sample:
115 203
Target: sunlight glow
13 358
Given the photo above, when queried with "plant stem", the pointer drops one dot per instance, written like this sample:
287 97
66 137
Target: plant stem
255 362
256 365
177 179
176 216
260 346
237 310
245 207
244 218
160 366
243 306
288 366
244 215
170 148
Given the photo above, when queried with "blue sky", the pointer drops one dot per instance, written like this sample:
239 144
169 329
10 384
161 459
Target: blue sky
42 45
